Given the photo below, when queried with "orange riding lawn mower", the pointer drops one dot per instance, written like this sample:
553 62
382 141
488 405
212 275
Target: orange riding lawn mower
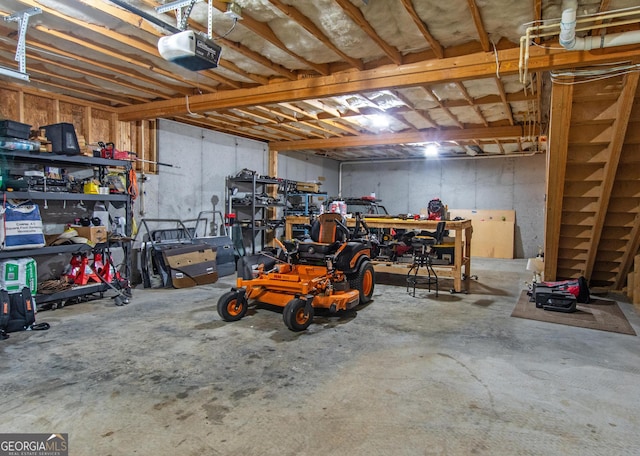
331 271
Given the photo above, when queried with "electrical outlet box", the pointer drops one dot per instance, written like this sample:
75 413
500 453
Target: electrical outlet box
234 11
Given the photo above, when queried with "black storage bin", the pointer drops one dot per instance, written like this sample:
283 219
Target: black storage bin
12 129
63 138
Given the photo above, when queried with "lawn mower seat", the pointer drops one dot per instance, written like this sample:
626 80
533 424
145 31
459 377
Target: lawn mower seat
326 237
325 229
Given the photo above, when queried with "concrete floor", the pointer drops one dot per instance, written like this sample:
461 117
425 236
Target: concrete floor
454 375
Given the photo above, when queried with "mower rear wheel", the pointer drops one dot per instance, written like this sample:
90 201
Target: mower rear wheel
295 315
231 307
364 281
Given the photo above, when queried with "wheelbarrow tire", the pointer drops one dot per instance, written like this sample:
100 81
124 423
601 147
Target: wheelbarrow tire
363 280
231 307
295 315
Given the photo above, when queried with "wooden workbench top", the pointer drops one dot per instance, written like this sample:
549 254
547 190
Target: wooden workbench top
392 222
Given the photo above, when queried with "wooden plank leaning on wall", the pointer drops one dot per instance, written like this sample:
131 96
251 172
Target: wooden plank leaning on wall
93 121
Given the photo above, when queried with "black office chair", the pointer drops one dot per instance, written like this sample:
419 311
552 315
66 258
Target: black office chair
423 255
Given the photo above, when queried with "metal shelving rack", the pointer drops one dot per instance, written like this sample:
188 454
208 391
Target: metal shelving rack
252 215
72 161
307 198
305 211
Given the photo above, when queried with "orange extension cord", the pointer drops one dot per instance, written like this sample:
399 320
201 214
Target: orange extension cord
133 184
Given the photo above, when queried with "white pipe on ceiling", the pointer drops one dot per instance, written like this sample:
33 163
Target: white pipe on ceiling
571 42
568 28
568 25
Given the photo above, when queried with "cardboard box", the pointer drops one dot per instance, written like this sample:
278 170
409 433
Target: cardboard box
191 265
310 187
95 234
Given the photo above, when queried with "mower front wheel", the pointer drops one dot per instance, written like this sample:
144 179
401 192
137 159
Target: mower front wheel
231 307
364 281
296 316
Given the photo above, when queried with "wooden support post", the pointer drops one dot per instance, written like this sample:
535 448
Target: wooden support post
113 127
21 106
272 212
636 282
88 126
56 111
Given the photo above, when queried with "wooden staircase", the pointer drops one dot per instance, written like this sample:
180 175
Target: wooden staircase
593 181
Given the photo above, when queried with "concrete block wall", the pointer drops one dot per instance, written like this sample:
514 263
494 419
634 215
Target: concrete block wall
203 159
206 157
511 183
305 167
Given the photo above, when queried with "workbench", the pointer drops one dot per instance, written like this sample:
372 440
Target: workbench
459 271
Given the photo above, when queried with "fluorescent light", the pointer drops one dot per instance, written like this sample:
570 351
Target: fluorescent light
431 150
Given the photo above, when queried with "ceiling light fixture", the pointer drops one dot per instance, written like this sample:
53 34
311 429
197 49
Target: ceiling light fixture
380 121
431 150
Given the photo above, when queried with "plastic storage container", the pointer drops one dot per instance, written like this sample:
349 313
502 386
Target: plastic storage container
63 138
13 129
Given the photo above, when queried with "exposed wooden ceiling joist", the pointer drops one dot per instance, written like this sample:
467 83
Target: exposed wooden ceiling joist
99 49
503 98
448 69
356 16
436 47
134 20
446 110
93 74
62 56
423 114
402 138
236 47
477 19
473 104
312 28
264 31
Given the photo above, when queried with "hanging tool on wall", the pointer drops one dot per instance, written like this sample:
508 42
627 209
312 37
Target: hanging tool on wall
108 150
154 162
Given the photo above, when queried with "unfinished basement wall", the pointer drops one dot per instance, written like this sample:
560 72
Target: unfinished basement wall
304 167
202 159
506 183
